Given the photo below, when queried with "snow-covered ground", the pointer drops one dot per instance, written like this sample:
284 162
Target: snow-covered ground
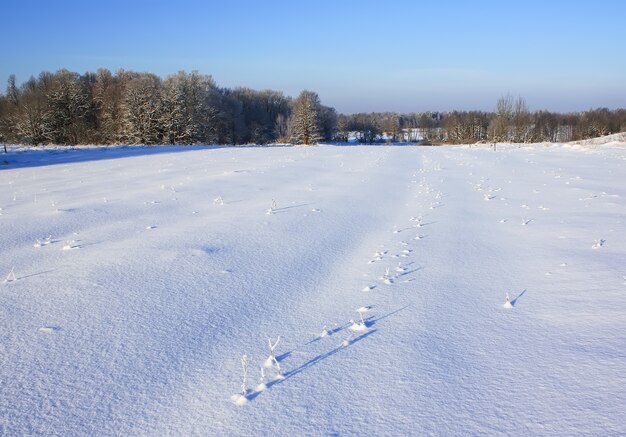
137 278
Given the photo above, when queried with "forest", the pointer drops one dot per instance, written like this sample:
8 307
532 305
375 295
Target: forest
125 107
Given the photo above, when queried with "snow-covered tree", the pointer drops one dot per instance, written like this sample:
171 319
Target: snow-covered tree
31 118
106 97
67 108
176 120
141 109
343 128
305 120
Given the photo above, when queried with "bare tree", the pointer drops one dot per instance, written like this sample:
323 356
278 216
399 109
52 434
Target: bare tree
521 120
499 126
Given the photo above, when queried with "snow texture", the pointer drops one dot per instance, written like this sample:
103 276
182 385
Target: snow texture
137 278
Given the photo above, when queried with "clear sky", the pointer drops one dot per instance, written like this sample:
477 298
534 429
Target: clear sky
404 55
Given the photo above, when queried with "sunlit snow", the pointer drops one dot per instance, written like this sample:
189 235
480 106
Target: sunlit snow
134 281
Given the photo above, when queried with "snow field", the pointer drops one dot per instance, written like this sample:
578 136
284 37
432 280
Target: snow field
141 325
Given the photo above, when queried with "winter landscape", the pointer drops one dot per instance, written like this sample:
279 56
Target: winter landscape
321 218
328 290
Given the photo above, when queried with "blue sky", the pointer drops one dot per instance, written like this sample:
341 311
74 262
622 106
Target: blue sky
358 55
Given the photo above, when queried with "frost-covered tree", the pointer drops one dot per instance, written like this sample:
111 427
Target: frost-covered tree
203 107
188 112
176 118
67 108
343 128
141 110
31 122
305 119
12 91
8 108
106 94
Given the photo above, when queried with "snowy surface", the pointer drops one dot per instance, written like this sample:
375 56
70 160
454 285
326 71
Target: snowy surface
136 279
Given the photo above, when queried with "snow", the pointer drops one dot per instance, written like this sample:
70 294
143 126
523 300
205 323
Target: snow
607 140
174 270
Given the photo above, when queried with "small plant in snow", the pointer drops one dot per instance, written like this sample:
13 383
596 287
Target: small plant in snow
242 399
271 361
400 269
325 332
508 303
598 244
359 326
262 385
361 311
386 278
11 276
272 208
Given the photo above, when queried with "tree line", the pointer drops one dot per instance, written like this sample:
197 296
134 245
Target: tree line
126 107
141 108
513 122
510 122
